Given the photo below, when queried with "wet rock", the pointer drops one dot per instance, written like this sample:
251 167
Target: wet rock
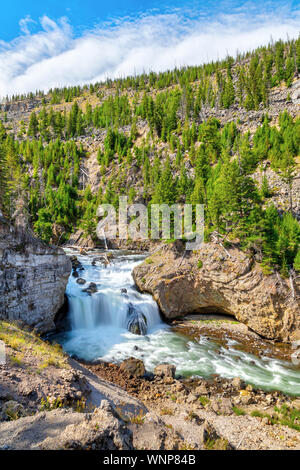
137 323
165 370
91 289
75 262
75 274
134 367
104 259
81 281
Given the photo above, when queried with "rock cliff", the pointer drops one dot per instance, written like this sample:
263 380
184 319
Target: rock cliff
225 281
33 278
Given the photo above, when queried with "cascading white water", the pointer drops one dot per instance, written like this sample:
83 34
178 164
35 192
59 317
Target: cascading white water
100 320
99 331
109 306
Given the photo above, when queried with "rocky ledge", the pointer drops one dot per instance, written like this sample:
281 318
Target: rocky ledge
33 278
219 280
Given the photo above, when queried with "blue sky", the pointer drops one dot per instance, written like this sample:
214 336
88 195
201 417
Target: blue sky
64 42
86 14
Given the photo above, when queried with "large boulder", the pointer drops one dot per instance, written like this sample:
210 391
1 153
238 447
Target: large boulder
165 370
33 278
133 367
137 322
215 280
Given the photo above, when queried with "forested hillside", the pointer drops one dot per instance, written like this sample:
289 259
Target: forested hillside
208 134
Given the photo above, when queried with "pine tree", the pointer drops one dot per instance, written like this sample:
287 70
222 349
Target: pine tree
297 261
33 125
288 173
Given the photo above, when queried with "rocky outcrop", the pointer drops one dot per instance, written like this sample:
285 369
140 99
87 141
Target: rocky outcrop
63 429
33 278
215 280
133 367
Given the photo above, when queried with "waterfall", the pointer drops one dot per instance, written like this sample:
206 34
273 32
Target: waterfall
105 323
116 302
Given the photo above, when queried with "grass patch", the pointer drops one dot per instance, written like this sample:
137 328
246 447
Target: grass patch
171 396
186 447
258 414
138 419
238 411
166 412
204 400
17 360
284 415
191 416
25 343
218 444
51 404
169 426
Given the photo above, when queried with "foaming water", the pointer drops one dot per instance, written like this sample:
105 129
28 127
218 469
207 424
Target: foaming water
99 331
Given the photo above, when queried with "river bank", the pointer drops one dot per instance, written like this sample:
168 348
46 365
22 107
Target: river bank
49 401
241 417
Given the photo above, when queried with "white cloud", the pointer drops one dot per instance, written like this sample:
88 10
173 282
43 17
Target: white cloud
24 24
53 57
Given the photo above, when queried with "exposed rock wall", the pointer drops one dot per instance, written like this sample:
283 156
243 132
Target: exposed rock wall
280 190
33 278
226 282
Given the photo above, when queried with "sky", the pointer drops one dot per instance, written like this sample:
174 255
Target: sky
70 42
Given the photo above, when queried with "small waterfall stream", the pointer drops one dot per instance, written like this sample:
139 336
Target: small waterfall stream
100 331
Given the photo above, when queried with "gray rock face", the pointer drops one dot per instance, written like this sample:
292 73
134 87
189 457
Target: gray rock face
33 278
63 429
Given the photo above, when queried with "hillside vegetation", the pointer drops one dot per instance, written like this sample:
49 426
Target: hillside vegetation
196 134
